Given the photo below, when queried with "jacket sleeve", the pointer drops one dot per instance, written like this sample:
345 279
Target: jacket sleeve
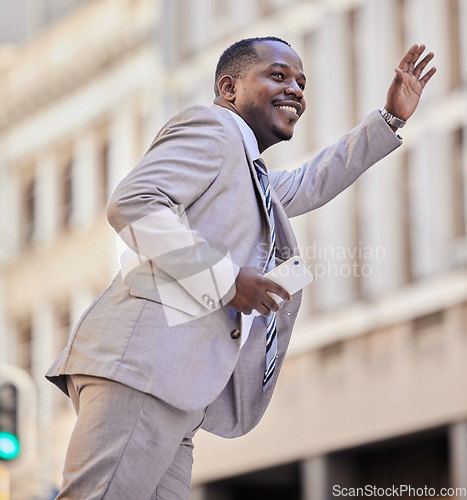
148 207
335 168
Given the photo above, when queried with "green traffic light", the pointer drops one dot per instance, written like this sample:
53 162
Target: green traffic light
9 446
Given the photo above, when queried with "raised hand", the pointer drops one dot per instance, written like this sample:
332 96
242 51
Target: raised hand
408 84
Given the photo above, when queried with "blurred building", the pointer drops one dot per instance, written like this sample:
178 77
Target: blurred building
23 19
373 390
79 103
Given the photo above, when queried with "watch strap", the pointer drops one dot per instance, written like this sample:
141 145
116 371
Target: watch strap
391 119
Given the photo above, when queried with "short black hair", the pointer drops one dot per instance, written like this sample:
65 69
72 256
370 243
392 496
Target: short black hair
237 59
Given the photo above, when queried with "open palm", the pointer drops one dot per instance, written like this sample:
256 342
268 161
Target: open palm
408 84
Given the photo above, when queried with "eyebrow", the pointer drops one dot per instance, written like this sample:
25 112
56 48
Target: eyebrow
286 66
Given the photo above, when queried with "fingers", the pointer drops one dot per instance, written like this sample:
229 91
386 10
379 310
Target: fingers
410 57
272 286
424 80
271 296
263 310
422 64
273 302
408 65
409 60
269 304
252 291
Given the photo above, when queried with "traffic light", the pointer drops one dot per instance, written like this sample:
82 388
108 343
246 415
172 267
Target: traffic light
9 425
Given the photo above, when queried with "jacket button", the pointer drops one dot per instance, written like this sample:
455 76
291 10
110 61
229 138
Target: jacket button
234 334
211 304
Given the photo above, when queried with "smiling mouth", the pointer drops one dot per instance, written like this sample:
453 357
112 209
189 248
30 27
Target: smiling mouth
291 109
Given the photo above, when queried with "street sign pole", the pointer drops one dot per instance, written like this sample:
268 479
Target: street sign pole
4 483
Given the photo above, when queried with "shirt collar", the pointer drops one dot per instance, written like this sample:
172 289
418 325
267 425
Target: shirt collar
248 136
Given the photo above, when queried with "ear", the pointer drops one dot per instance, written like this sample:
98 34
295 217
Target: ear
226 86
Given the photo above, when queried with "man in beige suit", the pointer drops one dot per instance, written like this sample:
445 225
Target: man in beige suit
171 345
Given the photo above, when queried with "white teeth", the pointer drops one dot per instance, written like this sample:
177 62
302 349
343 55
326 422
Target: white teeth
289 108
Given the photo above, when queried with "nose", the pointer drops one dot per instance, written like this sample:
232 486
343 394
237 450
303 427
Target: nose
294 89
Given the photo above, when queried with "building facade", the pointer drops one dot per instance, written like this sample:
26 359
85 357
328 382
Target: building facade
77 99
372 391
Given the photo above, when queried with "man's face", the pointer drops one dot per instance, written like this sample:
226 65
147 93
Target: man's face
270 96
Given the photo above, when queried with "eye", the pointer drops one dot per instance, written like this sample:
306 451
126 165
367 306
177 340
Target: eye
302 86
279 75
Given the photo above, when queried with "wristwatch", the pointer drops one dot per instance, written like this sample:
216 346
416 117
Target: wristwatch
391 119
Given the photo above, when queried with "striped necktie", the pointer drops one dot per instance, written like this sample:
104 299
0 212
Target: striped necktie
271 332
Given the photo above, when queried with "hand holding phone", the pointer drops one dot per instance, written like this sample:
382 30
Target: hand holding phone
293 275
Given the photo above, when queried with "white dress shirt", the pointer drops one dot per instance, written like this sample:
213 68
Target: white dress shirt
253 150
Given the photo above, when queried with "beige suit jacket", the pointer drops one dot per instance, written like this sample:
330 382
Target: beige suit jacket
191 213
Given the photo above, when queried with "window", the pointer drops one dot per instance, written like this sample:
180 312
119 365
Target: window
353 52
458 184
184 30
401 25
264 7
27 204
417 459
63 324
221 8
405 217
28 212
428 331
24 343
103 171
276 483
454 43
310 53
65 189
102 158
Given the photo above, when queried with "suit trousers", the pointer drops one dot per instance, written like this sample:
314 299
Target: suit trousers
126 444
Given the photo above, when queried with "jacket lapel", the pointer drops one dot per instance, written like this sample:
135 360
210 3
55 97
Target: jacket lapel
251 165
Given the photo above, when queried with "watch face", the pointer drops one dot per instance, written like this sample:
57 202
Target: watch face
399 123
